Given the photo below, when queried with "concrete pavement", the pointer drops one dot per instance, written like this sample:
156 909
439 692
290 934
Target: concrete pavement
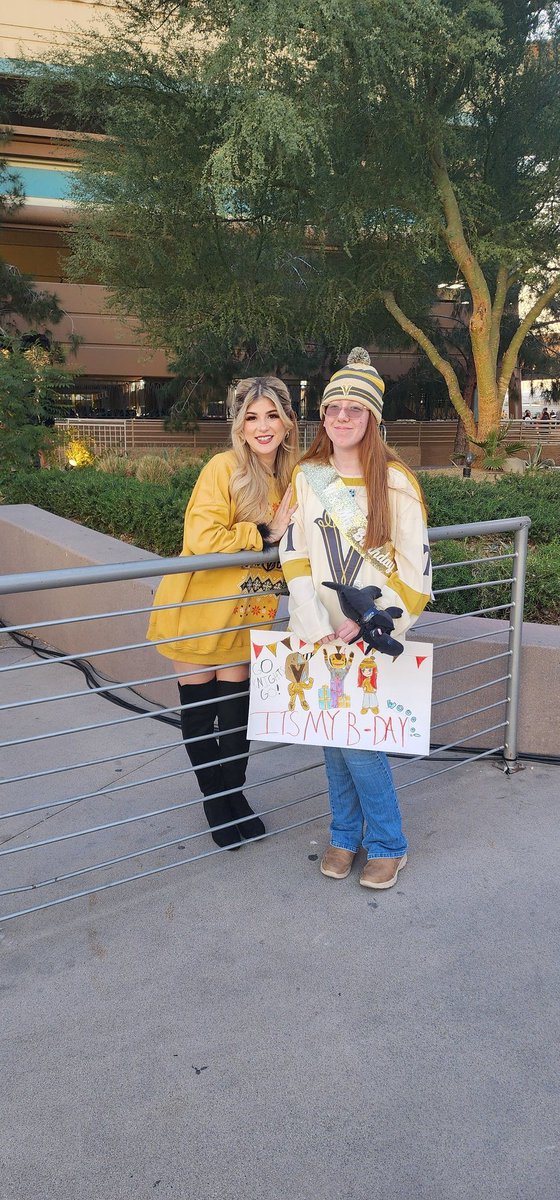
241 1027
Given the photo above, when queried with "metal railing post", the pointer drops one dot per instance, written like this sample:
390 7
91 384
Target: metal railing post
514 645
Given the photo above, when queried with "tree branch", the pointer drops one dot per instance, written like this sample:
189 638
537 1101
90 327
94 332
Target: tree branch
453 231
502 285
510 357
441 364
480 323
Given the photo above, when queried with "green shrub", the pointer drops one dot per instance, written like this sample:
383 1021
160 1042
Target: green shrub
148 515
455 501
113 462
77 453
183 456
487 594
184 478
542 584
153 468
451 575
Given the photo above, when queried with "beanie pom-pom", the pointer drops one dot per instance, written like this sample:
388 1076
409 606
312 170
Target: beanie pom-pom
358 355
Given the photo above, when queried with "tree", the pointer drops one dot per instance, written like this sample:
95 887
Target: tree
19 298
489 138
31 362
274 177
29 384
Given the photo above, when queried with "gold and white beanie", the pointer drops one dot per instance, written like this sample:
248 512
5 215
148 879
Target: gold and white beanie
358 381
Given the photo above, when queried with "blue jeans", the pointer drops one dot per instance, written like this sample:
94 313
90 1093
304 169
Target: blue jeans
361 791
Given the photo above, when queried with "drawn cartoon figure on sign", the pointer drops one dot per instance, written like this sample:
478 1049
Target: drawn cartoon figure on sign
338 664
297 674
266 675
367 680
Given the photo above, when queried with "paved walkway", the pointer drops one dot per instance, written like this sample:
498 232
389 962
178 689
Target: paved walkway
242 1028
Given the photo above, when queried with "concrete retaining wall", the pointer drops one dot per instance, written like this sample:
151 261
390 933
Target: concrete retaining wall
540 680
34 540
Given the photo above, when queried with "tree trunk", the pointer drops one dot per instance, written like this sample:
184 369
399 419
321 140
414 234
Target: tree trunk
461 443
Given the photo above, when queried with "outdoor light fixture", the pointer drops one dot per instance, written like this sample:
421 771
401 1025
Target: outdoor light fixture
469 459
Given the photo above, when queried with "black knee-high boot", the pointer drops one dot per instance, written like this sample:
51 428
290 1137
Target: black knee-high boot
233 712
196 722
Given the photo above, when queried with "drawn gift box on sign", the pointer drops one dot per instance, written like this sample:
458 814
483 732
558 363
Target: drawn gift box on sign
346 696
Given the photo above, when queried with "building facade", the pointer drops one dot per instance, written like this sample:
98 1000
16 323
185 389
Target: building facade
116 374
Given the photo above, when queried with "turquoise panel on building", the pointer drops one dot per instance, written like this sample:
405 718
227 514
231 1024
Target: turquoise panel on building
42 183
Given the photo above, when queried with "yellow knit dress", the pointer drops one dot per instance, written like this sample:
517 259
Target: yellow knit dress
223 597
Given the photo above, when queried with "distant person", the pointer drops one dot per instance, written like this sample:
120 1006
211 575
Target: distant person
527 416
241 501
545 415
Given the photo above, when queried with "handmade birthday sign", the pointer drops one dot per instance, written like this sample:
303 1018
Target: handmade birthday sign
339 695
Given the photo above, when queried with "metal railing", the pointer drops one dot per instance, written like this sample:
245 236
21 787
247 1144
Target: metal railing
140 435
432 439
56 769
100 435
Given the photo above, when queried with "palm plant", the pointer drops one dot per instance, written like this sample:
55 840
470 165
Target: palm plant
496 448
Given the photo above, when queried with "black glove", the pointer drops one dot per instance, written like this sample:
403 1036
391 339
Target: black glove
376 624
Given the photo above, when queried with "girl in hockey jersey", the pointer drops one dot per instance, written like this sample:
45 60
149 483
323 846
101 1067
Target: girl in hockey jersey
360 520
241 501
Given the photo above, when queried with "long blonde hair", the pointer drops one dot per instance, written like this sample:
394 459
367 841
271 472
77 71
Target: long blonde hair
250 482
375 458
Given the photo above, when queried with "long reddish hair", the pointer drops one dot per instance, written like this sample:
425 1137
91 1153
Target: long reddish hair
369 661
375 457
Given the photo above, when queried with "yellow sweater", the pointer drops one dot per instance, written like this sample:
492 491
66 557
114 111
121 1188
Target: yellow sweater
223 598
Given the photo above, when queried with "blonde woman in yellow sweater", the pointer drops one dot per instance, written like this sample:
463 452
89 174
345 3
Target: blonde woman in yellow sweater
241 501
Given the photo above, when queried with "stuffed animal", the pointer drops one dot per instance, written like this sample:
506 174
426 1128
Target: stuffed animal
376 624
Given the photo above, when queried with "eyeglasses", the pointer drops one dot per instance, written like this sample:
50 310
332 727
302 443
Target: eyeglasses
352 411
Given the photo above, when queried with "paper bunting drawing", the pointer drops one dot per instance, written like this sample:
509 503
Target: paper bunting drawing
340 695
